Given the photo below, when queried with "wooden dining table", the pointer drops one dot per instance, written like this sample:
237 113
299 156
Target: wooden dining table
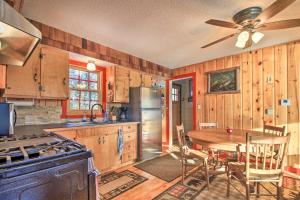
219 139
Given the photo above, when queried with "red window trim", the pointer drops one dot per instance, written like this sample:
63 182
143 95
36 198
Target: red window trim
64 103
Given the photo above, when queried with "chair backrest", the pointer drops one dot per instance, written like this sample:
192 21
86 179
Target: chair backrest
204 125
268 155
181 135
274 130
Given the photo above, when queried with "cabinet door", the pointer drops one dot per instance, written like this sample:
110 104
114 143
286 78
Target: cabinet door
2 76
135 79
24 81
54 73
121 85
113 157
147 80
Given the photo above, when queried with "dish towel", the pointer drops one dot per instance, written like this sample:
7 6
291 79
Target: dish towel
120 143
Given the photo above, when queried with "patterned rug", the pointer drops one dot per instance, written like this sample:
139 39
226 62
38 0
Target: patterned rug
192 186
114 184
195 189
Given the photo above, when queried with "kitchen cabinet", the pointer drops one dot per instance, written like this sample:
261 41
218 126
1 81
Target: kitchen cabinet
2 76
146 80
102 141
24 81
45 75
135 79
118 84
54 73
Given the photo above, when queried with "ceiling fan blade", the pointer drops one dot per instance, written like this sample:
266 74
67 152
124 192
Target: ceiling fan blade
273 10
290 23
219 40
221 23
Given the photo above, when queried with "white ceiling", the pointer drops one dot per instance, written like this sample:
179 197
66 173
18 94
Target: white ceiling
166 32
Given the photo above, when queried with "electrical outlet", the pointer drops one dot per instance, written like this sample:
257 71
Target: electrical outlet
198 106
269 111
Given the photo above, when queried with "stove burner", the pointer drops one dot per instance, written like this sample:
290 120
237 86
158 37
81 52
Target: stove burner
16 150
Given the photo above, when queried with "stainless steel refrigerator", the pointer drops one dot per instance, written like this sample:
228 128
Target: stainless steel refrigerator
145 107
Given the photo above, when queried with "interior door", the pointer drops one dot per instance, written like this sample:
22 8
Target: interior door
176 112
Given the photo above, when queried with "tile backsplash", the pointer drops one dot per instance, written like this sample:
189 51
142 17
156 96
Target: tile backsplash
38 114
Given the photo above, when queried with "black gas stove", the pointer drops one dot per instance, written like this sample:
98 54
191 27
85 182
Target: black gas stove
46 166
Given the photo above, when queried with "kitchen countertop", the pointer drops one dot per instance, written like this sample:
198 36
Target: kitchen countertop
42 128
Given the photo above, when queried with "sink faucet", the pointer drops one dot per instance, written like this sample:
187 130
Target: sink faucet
92 110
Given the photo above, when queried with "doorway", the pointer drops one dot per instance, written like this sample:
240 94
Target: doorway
182 106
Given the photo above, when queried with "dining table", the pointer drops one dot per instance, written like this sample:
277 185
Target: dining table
220 139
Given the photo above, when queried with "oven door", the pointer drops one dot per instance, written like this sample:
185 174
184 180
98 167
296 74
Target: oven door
93 180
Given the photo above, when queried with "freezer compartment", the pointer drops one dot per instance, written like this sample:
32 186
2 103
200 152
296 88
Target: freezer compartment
150 98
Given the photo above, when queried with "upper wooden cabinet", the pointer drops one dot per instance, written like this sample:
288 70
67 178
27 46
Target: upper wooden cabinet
24 81
54 73
146 80
118 84
45 75
135 79
2 76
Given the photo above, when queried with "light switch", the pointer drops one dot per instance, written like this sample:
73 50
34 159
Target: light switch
269 79
198 106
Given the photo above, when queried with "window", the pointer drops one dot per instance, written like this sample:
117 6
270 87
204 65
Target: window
175 94
84 89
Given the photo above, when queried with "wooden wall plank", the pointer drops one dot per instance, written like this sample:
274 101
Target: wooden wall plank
257 90
246 90
220 64
293 95
280 78
237 98
268 85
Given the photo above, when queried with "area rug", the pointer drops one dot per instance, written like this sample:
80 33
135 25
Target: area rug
166 167
195 189
114 184
191 188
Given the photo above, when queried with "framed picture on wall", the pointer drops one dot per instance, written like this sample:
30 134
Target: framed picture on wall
224 81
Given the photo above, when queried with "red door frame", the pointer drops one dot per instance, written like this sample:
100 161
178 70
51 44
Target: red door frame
187 75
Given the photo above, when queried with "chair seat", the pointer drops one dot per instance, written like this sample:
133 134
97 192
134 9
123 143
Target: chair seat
199 153
240 168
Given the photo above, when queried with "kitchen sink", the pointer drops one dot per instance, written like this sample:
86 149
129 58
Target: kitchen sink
76 124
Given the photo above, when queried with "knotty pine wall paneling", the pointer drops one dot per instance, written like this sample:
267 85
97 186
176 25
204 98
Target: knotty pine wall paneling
266 76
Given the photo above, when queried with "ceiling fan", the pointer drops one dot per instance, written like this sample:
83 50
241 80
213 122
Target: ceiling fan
252 20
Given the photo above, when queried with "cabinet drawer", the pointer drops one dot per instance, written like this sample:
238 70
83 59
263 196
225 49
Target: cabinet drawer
129 146
129 136
130 128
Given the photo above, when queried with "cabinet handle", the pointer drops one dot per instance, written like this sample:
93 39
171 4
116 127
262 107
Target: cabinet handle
64 81
103 140
99 140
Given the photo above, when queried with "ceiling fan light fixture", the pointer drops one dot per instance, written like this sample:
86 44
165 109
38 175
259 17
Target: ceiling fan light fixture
91 66
244 36
257 36
240 44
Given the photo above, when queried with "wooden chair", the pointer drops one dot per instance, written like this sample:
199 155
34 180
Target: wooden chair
188 156
273 130
255 171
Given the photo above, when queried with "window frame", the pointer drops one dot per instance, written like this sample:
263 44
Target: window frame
66 111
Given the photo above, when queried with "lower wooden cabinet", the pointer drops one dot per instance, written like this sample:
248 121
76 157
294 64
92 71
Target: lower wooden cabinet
103 142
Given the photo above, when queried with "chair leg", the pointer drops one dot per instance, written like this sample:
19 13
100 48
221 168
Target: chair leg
279 192
183 173
247 191
257 189
228 181
206 173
